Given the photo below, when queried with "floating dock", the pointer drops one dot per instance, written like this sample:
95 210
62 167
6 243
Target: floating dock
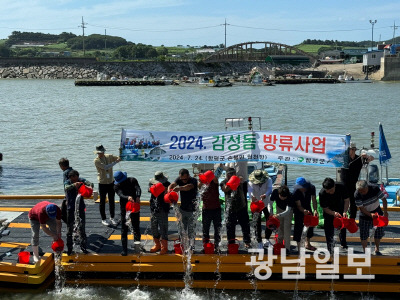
118 82
305 80
105 266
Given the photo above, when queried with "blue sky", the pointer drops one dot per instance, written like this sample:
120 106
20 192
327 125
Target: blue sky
198 23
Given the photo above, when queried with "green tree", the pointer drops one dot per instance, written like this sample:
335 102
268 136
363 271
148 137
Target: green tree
5 51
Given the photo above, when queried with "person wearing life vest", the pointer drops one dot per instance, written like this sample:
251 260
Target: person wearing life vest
47 216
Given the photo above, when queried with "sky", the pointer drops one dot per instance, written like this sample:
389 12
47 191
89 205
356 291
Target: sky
198 23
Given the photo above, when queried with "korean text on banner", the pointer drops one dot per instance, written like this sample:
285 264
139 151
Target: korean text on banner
221 147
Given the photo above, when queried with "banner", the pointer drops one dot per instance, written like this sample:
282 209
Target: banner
221 147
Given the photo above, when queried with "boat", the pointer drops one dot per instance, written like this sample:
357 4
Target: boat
218 82
350 79
204 78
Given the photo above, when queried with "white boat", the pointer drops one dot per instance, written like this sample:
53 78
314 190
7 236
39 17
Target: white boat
350 79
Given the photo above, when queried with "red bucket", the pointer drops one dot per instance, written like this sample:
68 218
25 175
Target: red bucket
277 248
85 191
338 223
208 248
177 247
273 223
257 206
132 206
233 248
171 197
352 226
233 183
207 177
157 189
380 221
58 246
23 257
311 221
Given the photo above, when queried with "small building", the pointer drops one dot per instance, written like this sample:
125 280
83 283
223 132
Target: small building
372 60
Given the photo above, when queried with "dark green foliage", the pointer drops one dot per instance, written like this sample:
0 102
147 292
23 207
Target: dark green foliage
5 51
96 41
135 51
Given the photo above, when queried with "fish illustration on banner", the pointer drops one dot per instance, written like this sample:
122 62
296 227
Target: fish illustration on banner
221 147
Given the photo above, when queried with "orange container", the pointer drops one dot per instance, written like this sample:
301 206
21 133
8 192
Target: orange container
273 223
157 189
208 248
177 247
132 207
233 183
233 248
352 226
58 246
85 191
207 177
277 248
23 257
311 221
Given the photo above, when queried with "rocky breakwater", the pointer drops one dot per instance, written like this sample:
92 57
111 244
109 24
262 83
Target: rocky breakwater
89 68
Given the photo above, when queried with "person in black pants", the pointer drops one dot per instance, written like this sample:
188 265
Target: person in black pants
236 208
303 195
128 189
211 212
335 201
74 199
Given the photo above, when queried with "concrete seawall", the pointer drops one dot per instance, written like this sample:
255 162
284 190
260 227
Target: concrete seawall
89 68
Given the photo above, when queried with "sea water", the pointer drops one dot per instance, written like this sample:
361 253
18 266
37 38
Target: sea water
44 120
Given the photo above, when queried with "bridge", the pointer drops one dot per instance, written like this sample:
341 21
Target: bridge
255 51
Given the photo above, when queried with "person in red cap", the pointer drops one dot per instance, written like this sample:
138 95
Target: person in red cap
47 216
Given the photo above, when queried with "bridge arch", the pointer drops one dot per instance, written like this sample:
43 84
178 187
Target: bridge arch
247 52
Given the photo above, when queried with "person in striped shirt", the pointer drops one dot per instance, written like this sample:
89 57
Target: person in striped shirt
367 200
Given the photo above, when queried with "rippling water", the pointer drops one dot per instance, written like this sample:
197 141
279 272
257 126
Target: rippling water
44 120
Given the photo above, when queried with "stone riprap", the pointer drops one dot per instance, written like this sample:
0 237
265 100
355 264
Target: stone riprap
35 70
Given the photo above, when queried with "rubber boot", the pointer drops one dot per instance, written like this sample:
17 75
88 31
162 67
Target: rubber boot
156 247
35 250
164 247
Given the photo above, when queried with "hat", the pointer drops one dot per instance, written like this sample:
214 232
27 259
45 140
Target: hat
159 177
119 177
353 145
100 149
302 182
258 176
51 210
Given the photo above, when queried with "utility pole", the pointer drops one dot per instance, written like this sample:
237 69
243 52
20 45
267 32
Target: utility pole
83 35
105 39
372 40
394 32
225 31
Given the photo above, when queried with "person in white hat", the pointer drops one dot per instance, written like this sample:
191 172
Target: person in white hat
260 188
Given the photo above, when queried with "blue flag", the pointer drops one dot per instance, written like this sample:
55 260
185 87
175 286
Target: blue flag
384 153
